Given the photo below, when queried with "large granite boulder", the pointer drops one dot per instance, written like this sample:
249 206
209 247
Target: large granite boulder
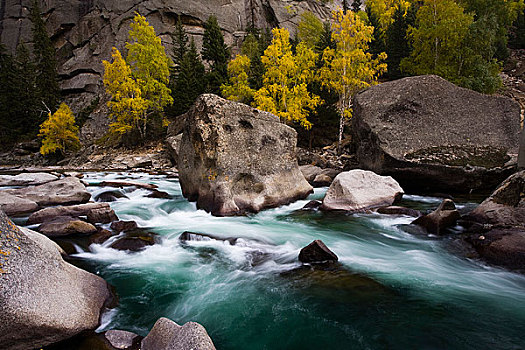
434 136
66 225
358 190
167 335
69 190
43 299
236 159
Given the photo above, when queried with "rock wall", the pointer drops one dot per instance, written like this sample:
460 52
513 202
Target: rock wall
84 31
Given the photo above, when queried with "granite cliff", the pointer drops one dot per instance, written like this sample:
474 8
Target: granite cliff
84 31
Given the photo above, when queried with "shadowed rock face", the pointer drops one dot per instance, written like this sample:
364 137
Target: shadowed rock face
432 135
236 159
84 31
43 299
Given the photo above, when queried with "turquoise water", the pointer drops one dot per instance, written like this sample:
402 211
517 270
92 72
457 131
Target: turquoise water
393 290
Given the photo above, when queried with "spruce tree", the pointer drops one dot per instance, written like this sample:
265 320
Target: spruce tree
396 43
251 48
190 82
377 45
215 51
45 61
356 5
180 43
27 102
7 75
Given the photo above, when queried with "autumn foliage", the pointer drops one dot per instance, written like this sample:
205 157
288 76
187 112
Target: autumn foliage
59 132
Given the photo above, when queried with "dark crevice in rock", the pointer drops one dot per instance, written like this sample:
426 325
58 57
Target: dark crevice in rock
77 72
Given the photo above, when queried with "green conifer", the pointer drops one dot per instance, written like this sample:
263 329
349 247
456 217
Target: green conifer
397 46
45 61
215 51
356 5
189 83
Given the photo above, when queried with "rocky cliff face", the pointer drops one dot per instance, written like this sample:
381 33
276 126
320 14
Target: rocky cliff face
84 31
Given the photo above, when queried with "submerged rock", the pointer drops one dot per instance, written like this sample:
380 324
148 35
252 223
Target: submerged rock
167 335
159 194
317 252
395 210
69 190
66 225
445 216
26 179
358 190
101 236
420 130
43 299
236 159
195 236
126 184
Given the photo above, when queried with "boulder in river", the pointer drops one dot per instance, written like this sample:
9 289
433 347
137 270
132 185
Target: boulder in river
317 252
505 206
358 190
43 299
68 190
110 196
48 214
445 216
13 205
135 241
66 225
501 246
433 136
235 159
27 179
101 215
122 339
167 335
123 226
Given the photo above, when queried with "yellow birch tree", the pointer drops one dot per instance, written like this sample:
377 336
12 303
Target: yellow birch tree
285 81
239 88
139 85
349 68
59 132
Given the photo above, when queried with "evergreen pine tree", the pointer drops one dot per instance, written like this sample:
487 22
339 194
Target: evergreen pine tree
356 5
45 61
190 82
396 43
7 75
180 43
517 32
27 102
377 45
215 51
251 48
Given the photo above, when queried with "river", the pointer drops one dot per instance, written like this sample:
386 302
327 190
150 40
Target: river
393 290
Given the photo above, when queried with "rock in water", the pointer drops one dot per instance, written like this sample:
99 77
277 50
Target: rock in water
358 190
506 205
167 335
443 217
43 299
122 339
317 252
48 214
26 179
236 159
68 190
434 136
501 246
13 205
66 225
